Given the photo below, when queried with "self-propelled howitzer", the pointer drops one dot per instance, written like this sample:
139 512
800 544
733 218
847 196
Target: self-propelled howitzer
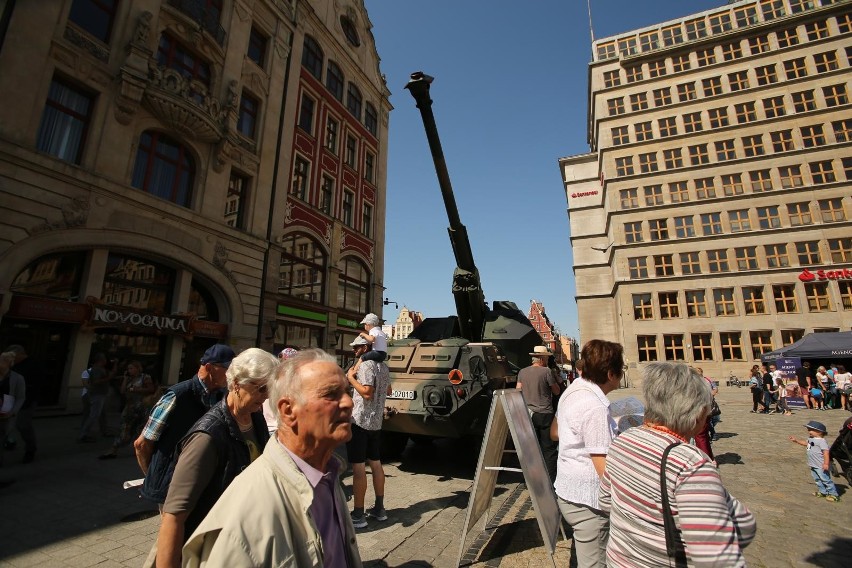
444 373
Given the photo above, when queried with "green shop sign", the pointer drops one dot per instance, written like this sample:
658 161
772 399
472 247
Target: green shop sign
304 314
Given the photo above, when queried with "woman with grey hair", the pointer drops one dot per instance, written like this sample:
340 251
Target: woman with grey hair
215 450
666 502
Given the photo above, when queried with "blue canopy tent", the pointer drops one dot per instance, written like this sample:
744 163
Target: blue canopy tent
830 346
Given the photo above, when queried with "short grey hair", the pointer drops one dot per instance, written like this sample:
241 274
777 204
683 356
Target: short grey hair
251 366
676 396
288 380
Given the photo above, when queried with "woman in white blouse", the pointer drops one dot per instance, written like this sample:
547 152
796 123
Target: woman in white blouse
585 429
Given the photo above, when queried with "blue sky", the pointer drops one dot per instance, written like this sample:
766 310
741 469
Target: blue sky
510 99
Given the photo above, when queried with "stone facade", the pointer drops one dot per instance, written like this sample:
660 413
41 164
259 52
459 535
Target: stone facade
406 321
711 220
146 171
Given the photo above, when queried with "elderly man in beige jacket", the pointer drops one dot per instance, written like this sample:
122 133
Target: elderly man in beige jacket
287 508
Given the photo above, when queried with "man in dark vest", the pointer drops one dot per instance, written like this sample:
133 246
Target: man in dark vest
539 386
171 418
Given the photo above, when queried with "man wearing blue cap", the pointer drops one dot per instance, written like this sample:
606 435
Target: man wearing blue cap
171 418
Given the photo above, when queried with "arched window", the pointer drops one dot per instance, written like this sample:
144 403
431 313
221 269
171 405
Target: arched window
353 101
352 290
371 118
334 80
303 268
312 57
54 275
164 168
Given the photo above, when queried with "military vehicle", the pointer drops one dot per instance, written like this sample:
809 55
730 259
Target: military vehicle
444 374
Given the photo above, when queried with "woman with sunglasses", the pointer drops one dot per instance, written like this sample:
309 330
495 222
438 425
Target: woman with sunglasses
215 450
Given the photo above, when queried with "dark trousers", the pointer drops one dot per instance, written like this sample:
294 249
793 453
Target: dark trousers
756 398
549 449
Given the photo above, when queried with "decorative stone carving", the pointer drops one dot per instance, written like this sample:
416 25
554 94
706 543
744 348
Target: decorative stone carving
143 29
185 105
328 234
75 213
343 240
288 214
220 259
84 42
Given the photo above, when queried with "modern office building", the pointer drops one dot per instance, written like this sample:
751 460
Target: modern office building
179 172
710 221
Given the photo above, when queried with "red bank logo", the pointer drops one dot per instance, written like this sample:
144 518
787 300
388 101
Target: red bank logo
840 274
584 193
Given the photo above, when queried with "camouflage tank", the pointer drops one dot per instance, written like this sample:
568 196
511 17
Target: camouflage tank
444 374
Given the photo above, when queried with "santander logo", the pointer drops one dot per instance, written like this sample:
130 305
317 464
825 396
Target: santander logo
840 274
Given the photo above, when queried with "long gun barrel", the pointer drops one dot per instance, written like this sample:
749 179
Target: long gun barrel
467 287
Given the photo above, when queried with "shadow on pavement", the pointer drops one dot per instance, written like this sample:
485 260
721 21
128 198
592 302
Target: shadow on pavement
409 564
836 555
729 458
726 434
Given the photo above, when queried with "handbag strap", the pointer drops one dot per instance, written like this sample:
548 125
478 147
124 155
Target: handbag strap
673 548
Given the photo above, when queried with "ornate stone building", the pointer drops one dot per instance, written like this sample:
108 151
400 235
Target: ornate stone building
406 321
179 172
711 220
548 332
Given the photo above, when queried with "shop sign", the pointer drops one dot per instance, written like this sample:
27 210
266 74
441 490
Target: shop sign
48 309
839 274
348 323
121 317
205 328
299 313
584 193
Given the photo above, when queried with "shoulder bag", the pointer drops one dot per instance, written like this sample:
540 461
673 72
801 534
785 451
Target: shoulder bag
674 549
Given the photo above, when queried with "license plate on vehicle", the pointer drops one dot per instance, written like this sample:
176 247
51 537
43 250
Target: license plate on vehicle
404 395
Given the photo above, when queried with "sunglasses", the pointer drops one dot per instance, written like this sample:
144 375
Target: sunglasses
262 388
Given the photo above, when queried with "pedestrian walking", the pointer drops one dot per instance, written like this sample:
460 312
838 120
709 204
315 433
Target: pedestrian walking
34 374
11 385
97 391
819 460
539 387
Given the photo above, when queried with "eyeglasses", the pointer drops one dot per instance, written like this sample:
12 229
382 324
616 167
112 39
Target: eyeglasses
262 388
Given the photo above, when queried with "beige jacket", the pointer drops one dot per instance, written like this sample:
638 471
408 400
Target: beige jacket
262 520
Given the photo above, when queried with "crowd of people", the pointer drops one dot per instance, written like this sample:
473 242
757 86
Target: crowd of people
826 388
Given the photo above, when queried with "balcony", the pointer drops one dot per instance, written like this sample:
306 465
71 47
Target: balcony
204 14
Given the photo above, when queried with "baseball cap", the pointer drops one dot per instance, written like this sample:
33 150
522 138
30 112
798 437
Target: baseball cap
287 352
219 354
818 426
371 319
358 341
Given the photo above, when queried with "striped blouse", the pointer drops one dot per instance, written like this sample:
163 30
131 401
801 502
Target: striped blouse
713 525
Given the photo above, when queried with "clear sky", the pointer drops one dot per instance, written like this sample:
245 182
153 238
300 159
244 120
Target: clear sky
510 98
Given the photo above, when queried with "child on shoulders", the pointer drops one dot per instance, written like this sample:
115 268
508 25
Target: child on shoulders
375 337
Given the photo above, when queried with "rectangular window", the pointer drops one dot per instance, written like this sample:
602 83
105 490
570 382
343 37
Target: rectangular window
732 184
712 86
658 229
627 46
738 81
668 305
825 62
95 17
753 145
800 214
673 347
698 155
624 166
348 206
606 50
351 151
648 162
367 221
678 192
668 126
785 298
760 181
638 101
835 95
65 121
638 267
745 112
672 158
684 227
746 258
739 220
649 41
702 348
686 92
723 302
803 101
620 135
766 75
663 265
301 170
782 141
844 22
842 130
754 300
690 263
725 150
772 9
791 176
717 260
327 194
662 97
680 63
721 23
759 44
629 198
840 249
787 38
634 73
776 256
731 51
767 217
647 346
711 224
704 188
615 106
370 167
745 16
696 304
247 122
761 342
706 57
656 68
797 6
695 29
822 172
257 47
847 168
611 79
795 68
633 232
831 210
331 128
808 252
643 131
718 117
642 308
672 35
773 107
306 114
237 201
653 195
791 336
845 289
812 136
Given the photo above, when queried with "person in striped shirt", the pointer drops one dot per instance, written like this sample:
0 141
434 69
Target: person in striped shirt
712 526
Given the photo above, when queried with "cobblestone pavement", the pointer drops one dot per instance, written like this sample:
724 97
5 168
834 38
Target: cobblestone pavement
67 509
